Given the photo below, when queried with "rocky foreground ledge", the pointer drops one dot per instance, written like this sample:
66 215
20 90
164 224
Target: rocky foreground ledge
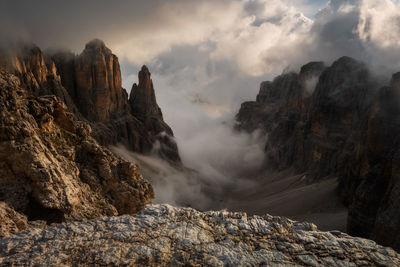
166 235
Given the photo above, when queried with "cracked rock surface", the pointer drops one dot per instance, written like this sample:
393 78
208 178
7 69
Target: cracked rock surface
52 170
166 235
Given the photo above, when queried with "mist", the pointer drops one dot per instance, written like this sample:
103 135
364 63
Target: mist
206 58
214 161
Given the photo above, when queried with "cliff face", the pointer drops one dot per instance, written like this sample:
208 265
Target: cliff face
335 122
37 74
90 86
98 83
142 100
162 235
52 170
373 180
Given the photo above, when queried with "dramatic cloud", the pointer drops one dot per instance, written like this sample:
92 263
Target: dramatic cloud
207 56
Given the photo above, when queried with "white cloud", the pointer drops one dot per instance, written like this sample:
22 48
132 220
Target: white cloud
252 34
380 23
208 56
176 23
258 42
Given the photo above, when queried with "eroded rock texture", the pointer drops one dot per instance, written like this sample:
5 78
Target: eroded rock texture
90 86
37 74
99 92
11 221
93 79
51 168
335 121
162 235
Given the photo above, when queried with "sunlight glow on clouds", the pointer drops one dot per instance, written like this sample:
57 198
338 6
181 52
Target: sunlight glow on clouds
177 23
208 56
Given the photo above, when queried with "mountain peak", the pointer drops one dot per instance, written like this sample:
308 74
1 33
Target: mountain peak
350 63
314 67
145 69
95 44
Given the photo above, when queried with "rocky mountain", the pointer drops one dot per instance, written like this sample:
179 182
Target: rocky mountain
57 180
90 86
162 235
336 121
52 170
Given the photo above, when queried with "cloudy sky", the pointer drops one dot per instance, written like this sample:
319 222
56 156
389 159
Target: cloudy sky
208 56
213 53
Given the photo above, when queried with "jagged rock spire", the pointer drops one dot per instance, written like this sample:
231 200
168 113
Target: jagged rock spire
142 97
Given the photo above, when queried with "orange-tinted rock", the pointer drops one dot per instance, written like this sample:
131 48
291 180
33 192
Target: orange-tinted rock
93 79
10 220
37 73
98 83
52 169
90 85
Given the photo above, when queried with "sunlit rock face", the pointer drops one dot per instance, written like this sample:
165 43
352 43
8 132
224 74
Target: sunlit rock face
37 73
98 83
345 127
52 170
11 221
90 86
162 235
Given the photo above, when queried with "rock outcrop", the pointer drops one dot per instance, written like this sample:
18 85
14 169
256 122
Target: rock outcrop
37 74
143 99
93 79
144 106
11 221
90 85
98 83
336 122
162 235
51 169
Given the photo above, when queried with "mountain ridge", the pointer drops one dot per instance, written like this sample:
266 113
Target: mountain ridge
55 177
345 128
52 169
90 84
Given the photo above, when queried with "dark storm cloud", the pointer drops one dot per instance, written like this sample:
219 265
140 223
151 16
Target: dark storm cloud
71 23
335 35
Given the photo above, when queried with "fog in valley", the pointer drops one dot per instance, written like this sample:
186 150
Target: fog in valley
204 66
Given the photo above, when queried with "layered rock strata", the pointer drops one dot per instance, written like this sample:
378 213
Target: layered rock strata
337 122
